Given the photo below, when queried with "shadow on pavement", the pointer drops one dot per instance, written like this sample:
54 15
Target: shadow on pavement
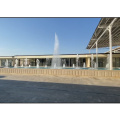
2 76
13 91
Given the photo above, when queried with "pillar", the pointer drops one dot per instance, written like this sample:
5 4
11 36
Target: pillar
87 62
110 46
96 55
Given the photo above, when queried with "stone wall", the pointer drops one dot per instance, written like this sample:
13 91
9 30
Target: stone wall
58 72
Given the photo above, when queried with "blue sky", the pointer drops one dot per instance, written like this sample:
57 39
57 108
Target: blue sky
36 36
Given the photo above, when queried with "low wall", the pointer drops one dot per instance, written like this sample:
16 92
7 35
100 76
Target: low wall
70 72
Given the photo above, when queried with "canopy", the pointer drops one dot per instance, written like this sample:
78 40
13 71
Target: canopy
103 35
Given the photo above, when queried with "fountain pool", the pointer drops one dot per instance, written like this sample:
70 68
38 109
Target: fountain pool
74 68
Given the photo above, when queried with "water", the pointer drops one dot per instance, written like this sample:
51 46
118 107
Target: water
38 63
73 65
47 61
77 60
63 65
45 66
92 61
54 66
25 62
34 67
84 65
107 62
16 63
6 63
56 61
22 65
15 66
95 65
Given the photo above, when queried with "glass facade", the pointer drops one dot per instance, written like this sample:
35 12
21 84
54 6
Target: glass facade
9 62
116 62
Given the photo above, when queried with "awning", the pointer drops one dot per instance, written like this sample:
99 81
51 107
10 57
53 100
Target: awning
104 38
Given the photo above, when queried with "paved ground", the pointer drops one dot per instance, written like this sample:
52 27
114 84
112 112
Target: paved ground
54 89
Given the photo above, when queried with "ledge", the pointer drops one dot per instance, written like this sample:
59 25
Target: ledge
59 72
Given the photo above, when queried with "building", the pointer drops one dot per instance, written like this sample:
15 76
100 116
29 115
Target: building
67 59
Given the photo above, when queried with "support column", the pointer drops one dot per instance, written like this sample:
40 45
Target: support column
0 63
110 46
87 62
96 54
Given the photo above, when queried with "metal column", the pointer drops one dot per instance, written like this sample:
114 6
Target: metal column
96 54
110 46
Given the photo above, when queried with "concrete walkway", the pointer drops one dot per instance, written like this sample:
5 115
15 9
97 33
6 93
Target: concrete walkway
54 89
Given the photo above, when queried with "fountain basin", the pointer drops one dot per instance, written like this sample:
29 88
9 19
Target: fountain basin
60 72
48 67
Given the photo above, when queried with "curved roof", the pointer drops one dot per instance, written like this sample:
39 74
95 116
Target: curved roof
103 35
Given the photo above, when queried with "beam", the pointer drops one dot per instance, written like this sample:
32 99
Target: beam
102 26
104 31
93 39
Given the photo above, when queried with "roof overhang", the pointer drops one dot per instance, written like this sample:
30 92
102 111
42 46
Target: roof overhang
102 33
